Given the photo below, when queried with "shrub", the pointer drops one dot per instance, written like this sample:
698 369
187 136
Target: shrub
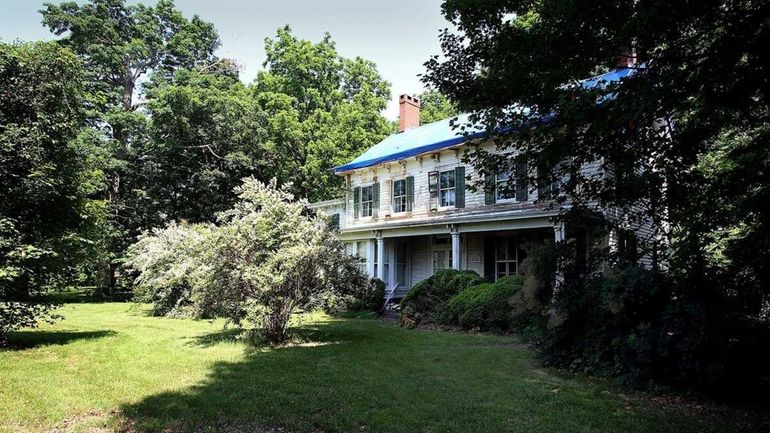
266 260
485 307
368 296
428 298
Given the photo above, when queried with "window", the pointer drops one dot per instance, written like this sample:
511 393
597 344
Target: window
447 188
506 257
367 200
503 190
399 196
360 251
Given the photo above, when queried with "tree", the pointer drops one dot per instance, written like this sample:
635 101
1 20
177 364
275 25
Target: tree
206 131
119 45
434 106
323 110
264 261
691 122
47 175
682 141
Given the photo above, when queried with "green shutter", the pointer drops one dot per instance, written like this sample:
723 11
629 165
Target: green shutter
409 193
542 182
375 199
356 201
489 189
522 178
459 187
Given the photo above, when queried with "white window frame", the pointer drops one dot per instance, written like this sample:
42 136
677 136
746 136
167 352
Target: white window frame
401 203
361 201
507 260
498 181
448 190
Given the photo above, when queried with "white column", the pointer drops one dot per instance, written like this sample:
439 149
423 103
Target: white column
370 246
558 231
380 257
455 249
559 236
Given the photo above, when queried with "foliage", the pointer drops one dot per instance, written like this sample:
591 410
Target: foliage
205 134
120 45
322 110
426 300
262 263
434 106
167 261
47 175
485 307
632 324
359 296
682 143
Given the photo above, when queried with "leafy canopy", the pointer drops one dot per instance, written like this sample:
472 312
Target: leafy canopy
47 177
322 111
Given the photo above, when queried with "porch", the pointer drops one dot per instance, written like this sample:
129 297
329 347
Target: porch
412 254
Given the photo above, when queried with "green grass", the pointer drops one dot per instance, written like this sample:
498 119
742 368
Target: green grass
111 367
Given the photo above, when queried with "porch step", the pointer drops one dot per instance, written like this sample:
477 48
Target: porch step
394 315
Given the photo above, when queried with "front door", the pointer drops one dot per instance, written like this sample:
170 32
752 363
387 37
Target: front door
402 264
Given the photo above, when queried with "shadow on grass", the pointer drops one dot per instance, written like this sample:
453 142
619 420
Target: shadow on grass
364 375
21 340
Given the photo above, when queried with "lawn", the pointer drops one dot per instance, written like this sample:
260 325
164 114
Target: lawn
111 367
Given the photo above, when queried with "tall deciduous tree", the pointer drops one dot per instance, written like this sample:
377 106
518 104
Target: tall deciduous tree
119 45
683 141
323 110
206 132
47 175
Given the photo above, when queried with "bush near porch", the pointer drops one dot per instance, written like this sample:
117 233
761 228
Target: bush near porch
485 307
427 300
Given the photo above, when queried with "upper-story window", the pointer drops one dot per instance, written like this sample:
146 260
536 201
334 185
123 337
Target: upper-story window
399 196
367 200
503 191
447 188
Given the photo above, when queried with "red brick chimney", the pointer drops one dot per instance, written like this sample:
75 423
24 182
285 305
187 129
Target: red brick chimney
408 112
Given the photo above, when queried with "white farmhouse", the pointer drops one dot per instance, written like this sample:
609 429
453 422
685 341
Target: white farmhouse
408 212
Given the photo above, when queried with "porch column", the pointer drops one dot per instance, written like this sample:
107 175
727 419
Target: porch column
380 257
370 250
559 235
455 248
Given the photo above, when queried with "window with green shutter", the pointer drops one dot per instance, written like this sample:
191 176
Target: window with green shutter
367 201
447 188
399 202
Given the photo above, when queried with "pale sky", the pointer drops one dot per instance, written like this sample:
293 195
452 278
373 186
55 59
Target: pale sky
398 35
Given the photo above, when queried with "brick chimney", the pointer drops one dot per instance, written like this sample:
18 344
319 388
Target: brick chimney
408 112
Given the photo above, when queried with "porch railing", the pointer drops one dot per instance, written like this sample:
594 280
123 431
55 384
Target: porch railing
390 296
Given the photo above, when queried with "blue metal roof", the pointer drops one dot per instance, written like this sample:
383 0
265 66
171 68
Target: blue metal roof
441 134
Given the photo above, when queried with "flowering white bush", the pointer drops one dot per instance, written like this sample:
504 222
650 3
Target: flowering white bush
265 260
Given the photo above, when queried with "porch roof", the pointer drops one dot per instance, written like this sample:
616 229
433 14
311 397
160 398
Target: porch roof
488 215
445 133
